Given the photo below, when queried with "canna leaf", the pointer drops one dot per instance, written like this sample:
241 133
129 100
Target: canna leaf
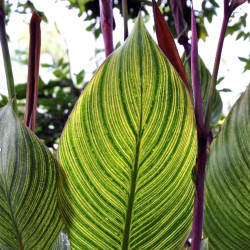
227 200
205 83
127 153
29 217
62 243
204 244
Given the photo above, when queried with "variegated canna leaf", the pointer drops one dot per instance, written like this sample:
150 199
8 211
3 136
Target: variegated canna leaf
29 217
227 183
127 152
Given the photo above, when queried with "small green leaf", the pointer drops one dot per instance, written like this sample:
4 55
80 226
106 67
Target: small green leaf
29 218
225 90
247 61
45 65
90 27
240 35
220 80
127 153
227 183
214 3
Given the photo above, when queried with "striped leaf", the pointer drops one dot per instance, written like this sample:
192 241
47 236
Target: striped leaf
62 242
205 84
227 183
29 217
127 152
204 244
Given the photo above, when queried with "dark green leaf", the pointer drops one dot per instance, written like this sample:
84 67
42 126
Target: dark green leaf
227 199
29 218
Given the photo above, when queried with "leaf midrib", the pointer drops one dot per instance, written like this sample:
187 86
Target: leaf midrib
134 171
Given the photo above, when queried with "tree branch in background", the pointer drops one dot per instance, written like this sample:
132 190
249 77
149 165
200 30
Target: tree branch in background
181 26
125 17
33 71
6 57
106 15
167 44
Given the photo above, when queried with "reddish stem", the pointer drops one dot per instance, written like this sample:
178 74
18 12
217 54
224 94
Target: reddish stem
215 72
199 195
204 135
195 73
33 72
106 15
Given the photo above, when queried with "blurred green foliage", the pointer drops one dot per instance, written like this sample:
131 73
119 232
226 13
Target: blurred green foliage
56 99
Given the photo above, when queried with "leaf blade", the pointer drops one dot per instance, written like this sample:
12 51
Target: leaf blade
28 207
133 108
226 215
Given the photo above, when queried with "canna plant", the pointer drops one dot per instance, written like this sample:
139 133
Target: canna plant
130 169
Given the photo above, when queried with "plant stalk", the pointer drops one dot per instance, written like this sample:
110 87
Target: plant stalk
196 82
6 57
125 18
202 142
106 15
203 136
215 73
199 195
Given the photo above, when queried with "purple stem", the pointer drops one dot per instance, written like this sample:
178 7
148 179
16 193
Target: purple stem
199 196
195 73
203 137
216 69
202 141
106 15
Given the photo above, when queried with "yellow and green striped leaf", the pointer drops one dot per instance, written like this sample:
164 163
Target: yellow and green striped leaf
205 85
29 217
127 152
227 183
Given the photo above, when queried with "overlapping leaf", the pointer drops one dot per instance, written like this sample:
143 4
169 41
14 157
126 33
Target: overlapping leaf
62 243
227 183
205 77
127 152
29 218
